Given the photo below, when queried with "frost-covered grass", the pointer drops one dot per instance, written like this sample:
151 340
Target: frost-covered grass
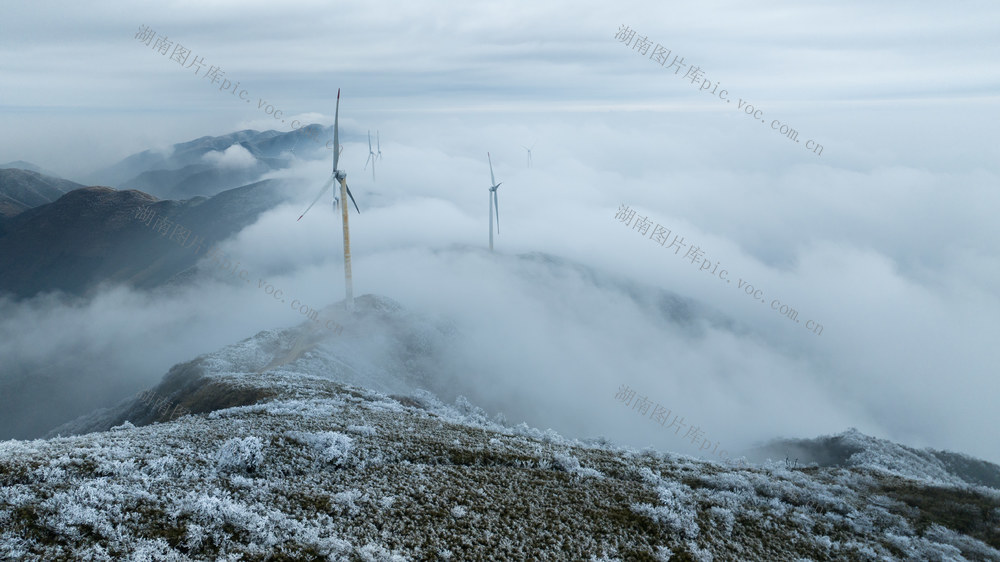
316 470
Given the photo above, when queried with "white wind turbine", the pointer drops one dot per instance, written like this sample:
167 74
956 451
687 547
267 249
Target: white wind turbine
494 205
345 192
529 153
371 155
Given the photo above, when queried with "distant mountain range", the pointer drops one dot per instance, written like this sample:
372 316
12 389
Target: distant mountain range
91 235
202 167
56 235
210 165
23 189
22 165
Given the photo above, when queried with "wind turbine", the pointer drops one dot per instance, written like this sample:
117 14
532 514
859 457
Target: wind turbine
345 192
494 204
529 153
371 155
378 142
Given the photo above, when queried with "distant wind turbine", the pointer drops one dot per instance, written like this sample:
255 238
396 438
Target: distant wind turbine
529 153
494 204
378 144
345 192
371 155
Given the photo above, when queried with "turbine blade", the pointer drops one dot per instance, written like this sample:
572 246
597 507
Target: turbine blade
496 207
369 160
369 141
493 180
321 192
336 132
349 194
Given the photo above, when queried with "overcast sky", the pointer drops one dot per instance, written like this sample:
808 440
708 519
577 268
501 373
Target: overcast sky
888 238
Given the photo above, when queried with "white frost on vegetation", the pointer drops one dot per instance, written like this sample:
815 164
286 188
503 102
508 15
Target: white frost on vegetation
244 454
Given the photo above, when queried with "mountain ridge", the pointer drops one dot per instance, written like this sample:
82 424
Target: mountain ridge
22 189
292 462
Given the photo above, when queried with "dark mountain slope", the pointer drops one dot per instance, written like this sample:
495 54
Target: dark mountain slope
21 190
91 236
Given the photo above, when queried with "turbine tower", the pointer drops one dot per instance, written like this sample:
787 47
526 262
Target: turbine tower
529 153
378 142
494 205
371 155
345 192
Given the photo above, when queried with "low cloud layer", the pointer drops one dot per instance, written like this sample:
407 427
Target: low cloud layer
888 238
904 353
233 157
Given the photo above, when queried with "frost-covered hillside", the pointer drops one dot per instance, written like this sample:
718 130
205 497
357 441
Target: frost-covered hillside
855 449
298 448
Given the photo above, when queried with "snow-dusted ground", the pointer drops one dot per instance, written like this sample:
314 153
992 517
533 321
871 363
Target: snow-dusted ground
315 469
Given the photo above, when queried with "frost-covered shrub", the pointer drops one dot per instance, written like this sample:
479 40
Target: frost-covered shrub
571 464
214 512
245 454
472 412
568 463
677 509
162 468
823 542
346 501
328 446
99 507
648 476
376 553
458 511
664 554
974 548
115 467
700 554
725 518
361 429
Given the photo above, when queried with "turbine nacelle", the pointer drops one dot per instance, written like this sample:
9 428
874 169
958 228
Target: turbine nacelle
337 175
